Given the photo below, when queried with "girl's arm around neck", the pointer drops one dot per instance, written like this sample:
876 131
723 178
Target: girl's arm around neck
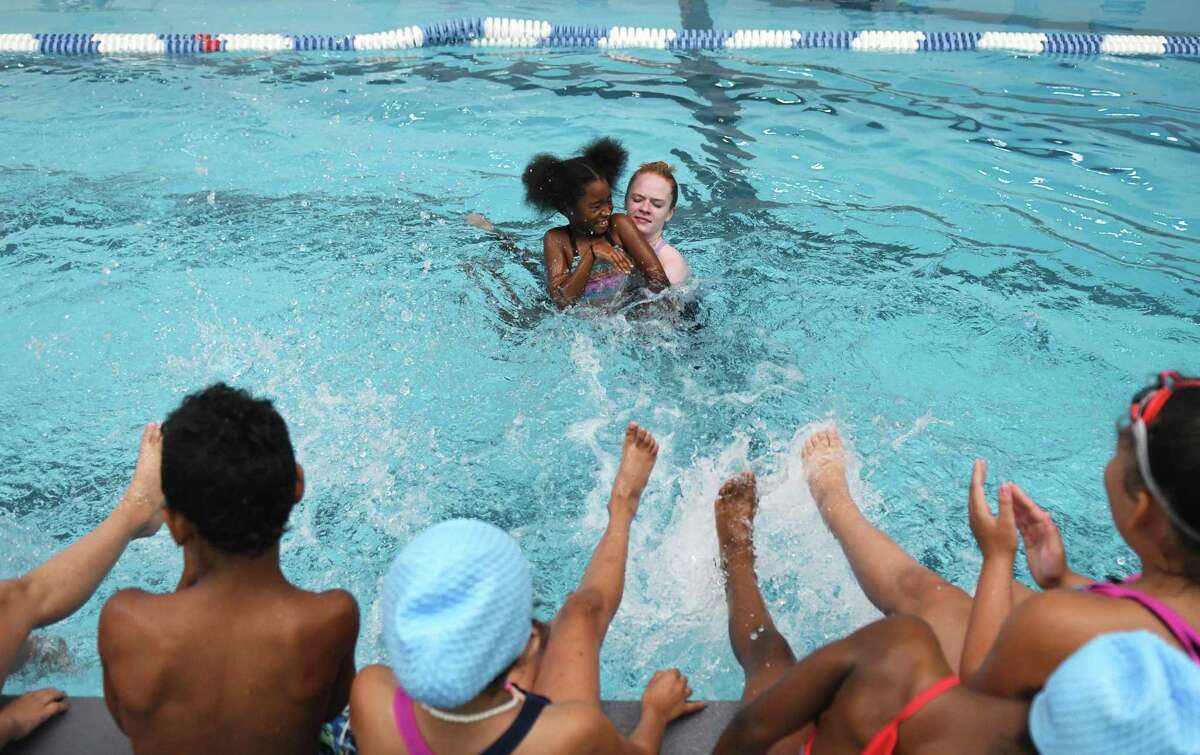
643 256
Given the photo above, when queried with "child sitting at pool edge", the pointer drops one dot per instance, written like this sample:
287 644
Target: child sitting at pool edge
470 671
1008 639
237 659
887 689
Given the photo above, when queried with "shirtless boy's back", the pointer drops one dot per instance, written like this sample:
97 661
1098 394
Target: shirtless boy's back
237 660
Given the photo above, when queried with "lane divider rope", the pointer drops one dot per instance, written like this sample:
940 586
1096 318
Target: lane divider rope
536 33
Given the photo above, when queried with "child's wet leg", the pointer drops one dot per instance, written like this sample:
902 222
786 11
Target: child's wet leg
570 666
893 580
758 646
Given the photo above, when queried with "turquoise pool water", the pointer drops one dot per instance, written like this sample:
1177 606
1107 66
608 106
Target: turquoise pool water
949 256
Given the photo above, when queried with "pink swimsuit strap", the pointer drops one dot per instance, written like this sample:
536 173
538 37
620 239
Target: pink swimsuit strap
658 245
1187 637
406 724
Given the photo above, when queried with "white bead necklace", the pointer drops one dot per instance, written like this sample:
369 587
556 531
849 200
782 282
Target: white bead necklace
470 718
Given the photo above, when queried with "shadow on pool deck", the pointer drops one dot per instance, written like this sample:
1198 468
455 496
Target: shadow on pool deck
87 728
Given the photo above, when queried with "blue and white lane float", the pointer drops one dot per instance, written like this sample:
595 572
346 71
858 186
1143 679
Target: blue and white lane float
530 33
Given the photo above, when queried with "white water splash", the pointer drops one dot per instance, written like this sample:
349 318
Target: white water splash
918 426
674 606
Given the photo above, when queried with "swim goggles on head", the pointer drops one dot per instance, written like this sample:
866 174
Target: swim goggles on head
1143 411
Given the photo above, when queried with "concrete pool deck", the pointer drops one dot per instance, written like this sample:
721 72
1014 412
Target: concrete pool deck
88 728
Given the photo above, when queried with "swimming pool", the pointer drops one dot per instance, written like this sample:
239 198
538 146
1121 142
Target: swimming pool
948 256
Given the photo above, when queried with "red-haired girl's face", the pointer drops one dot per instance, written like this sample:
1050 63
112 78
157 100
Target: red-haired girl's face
649 203
591 213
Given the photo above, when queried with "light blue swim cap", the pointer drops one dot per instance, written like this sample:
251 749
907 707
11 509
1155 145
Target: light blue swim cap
457 610
1128 693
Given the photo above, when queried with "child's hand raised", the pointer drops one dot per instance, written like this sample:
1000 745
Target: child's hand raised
1043 542
996 534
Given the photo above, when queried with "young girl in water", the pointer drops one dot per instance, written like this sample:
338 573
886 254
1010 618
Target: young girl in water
1008 640
594 255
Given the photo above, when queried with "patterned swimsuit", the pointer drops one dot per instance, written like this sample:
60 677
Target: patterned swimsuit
606 281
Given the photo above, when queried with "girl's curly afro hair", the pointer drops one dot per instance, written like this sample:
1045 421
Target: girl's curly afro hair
554 184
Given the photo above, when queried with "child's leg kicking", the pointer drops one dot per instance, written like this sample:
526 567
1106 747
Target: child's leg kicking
893 580
758 646
570 666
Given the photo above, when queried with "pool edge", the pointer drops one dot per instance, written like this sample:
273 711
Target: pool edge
88 727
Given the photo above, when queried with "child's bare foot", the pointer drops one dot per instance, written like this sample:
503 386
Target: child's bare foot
143 500
825 466
736 505
637 461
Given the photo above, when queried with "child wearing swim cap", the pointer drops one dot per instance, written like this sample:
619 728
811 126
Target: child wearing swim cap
1008 639
593 255
469 671
887 688
237 659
